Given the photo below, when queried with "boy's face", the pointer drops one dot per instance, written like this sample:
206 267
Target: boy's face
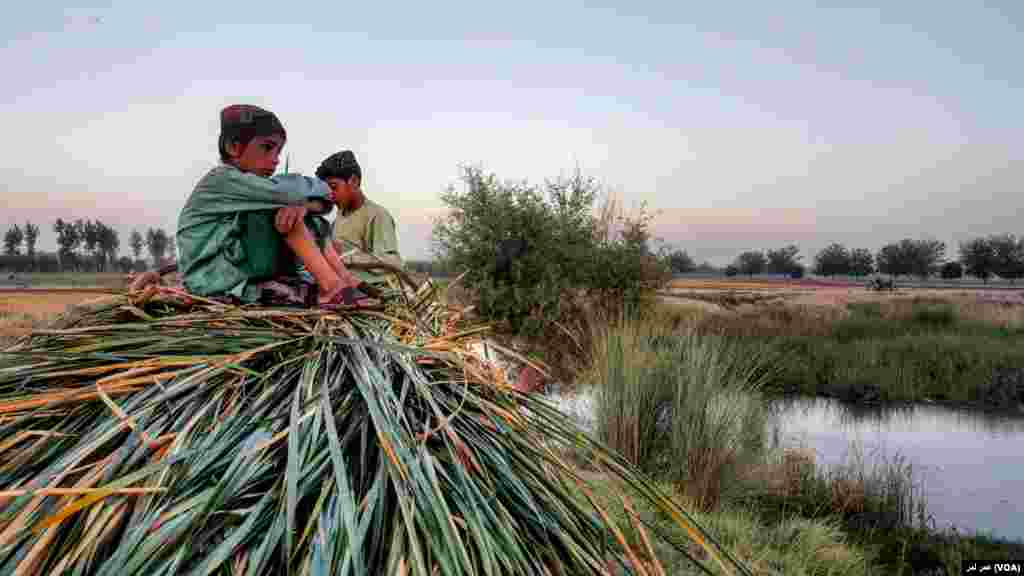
259 156
348 194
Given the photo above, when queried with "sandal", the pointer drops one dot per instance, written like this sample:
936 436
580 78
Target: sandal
348 297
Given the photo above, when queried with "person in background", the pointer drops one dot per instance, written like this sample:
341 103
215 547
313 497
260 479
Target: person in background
364 231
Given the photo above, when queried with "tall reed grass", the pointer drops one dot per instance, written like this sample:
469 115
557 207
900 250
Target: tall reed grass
679 403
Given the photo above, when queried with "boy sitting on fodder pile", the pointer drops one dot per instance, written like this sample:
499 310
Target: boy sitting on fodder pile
245 234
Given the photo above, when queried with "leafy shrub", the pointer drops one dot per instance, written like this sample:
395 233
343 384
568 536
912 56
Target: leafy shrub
569 255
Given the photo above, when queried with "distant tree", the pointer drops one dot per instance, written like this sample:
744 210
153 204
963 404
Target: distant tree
920 258
888 260
156 242
12 241
68 240
862 263
90 238
952 271
783 260
707 267
978 258
125 265
137 244
925 256
31 237
751 262
680 262
109 243
731 270
1008 254
172 248
832 260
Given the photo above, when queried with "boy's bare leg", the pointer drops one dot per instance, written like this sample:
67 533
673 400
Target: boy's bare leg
302 245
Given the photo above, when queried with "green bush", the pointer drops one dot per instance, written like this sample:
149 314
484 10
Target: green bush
569 253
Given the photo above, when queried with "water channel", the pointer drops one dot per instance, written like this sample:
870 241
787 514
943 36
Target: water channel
970 465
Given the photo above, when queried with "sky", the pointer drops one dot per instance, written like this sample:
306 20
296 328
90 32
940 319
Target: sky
747 125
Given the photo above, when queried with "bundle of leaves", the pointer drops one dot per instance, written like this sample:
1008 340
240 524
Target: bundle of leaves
155 433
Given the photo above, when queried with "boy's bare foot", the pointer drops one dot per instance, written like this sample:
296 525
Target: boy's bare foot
345 297
143 281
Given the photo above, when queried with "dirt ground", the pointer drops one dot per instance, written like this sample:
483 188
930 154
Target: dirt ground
20 309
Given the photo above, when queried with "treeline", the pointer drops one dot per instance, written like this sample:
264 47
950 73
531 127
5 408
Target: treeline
982 257
84 246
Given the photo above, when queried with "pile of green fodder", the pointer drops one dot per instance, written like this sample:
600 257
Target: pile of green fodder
157 433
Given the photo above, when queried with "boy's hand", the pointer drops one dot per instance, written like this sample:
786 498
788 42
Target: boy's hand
288 217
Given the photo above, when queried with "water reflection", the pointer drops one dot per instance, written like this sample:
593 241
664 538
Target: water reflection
902 417
971 464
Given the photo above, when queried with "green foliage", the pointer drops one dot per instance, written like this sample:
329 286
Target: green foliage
832 260
780 545
68 240
679 404
43 262
978 258
952 271
12 241
862 262
31 237
567 251
137 244
681 262
751 262
784 260
1008 256
157 243
911 257
928 353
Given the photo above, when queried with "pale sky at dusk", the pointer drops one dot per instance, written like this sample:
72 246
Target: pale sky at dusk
749 124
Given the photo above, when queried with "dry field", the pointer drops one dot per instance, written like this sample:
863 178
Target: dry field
743 296
21 309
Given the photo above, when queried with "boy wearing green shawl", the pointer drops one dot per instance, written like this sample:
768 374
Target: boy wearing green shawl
243 230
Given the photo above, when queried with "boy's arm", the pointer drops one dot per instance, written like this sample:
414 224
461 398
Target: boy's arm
336 263
235 191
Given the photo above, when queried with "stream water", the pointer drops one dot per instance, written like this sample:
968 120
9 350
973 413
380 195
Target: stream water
970 465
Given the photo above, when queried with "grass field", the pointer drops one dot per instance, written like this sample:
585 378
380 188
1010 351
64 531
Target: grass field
961 347
65 280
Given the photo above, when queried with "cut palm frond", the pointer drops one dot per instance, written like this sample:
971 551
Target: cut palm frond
155 433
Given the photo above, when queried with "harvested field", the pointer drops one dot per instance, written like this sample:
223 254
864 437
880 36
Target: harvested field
20 310
43 304
743 294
